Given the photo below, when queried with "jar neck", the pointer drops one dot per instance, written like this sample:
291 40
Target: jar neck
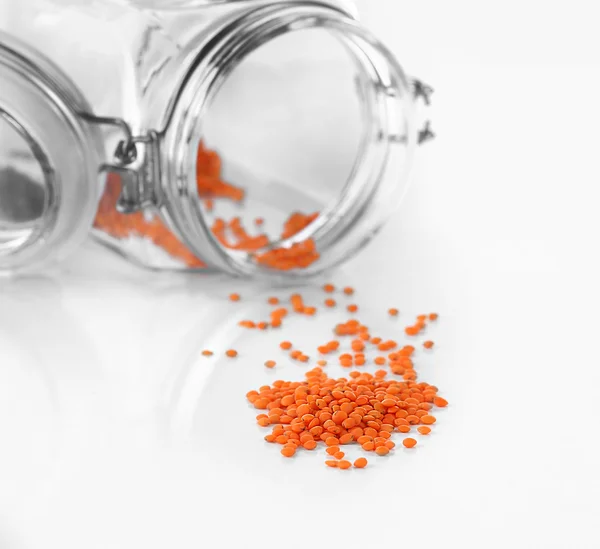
381 166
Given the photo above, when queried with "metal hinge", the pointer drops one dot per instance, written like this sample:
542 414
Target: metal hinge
424 92
140 173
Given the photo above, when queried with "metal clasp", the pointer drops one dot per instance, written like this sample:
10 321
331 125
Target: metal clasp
423 91
140 173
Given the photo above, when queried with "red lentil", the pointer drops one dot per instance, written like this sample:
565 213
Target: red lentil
364 409
288 451
361 463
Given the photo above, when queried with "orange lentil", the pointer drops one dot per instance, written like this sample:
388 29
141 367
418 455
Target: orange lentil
440 402
330 303
331 463
393 312
322 362
428 344
329 288
259 221
339 417
364 409
207 353
358 345
346 439
433 316
288 451
231 353
339 455
348 290
352 308
409 442
344 464
270 364
361 463
234 297
273 301
285 345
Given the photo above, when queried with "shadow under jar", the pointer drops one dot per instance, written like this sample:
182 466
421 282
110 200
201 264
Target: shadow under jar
252 137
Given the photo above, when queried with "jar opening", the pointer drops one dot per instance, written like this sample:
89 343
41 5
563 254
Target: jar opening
312 120
287 124
25 186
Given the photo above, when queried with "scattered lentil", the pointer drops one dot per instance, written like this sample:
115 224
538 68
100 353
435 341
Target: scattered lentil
361 463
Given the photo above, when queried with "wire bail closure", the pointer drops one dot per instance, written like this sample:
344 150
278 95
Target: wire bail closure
140 183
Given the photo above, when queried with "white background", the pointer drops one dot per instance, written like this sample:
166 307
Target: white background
116 434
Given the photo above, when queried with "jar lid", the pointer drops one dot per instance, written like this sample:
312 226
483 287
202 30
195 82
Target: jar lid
49 160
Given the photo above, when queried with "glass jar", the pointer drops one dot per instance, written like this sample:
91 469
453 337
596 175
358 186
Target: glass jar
253 137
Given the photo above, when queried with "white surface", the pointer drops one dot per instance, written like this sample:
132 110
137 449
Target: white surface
116 434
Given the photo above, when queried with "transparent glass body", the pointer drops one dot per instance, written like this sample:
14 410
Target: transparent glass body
255 137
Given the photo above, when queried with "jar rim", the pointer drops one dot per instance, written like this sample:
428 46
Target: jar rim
41 104
215 63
